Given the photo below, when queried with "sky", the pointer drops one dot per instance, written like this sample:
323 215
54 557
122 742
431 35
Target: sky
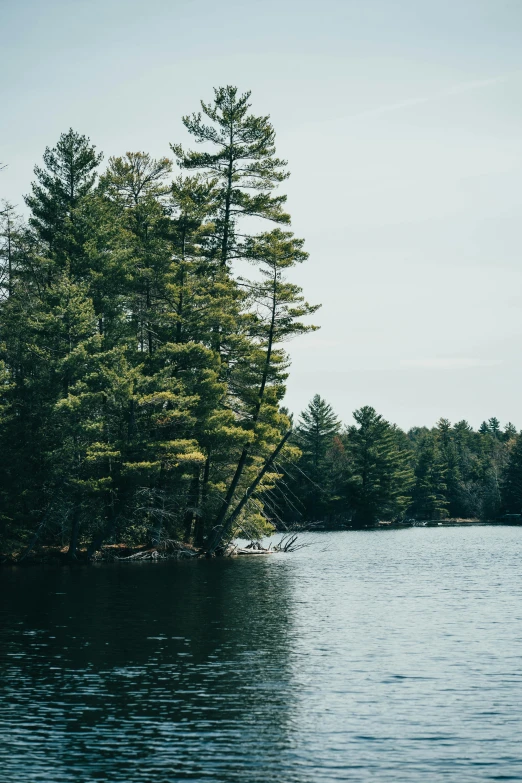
401 121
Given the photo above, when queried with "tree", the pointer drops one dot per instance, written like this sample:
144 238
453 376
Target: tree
243 164
512 480
379 474
428 494
68 177
315 435
136 186
10 230
449 456
494 427
316 431
52 350
257 382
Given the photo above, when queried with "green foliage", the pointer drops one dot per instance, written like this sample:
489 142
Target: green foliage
242 163
316 435
60 187
430 488
512 480
379 476
140 378
374 471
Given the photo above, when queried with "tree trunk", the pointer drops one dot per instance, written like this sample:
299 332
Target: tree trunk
220 533
244 454
199 528
193 512
228 197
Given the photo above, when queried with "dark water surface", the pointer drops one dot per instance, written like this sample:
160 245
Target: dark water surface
372 656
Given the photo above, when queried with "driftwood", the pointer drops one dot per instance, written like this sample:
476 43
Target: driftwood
167 550
286 544
175 550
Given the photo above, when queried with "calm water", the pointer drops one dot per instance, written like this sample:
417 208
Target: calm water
372 656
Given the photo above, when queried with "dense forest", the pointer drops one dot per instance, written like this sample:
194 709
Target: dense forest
143 314
372 470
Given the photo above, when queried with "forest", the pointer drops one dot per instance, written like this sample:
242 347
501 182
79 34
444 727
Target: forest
372 470
145 307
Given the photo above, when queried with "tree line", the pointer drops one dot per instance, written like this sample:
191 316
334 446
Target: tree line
372 470
143 314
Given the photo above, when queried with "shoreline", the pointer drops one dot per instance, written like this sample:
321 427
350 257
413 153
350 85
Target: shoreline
123 553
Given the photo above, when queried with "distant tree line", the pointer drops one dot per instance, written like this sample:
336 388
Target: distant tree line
140 375
372 470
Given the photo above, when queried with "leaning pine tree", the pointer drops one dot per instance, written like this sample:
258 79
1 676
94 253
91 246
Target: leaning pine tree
242 166
258 382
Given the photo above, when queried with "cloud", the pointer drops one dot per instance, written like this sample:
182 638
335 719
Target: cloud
450 363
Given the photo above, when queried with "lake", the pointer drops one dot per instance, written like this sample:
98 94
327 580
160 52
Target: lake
386 655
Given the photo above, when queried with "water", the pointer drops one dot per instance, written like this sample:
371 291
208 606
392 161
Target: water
371 656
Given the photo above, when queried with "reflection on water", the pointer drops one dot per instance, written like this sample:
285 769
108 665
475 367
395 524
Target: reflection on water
382 656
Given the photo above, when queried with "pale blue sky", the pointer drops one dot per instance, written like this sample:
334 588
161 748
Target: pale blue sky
402 124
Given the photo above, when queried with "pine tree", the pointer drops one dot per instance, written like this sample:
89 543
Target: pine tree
136 184
428 494
451 468
379 475
258 381
494 427
10 242
315 434
243 165
68 177
49 343
512 480
316 431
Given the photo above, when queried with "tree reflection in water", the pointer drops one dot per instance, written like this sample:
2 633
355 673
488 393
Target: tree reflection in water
148 672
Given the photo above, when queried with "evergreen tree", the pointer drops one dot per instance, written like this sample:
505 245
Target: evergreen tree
379 476
10 242
57 193
316 431
258 380
450 464
512 480
316 434
242 163
48 343
494 427
428 494
136 186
